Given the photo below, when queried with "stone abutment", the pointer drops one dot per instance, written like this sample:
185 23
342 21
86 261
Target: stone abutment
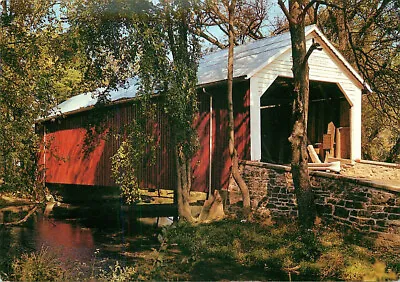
363 205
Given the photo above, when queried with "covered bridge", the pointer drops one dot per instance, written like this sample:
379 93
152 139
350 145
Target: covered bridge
262 110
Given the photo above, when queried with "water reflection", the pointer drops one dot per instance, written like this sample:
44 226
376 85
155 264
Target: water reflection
73 242
74 233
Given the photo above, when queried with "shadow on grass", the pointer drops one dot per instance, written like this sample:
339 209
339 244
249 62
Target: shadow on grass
234 250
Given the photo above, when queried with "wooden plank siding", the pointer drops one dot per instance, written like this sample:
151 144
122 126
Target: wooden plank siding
66 162
323 67
221 160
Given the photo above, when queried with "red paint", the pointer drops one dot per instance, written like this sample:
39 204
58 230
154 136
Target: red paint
221 159
66 163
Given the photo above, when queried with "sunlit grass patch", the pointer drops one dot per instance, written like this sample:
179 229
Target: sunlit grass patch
323 253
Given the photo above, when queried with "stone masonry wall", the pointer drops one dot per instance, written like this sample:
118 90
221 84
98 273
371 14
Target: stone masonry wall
364 205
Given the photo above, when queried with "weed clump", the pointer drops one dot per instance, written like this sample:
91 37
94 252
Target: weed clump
118 273
38 266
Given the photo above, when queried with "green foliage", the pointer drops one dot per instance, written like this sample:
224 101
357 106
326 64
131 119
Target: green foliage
181 102
135 153
96 125
38 69
107 34
124 173
38 266
379 137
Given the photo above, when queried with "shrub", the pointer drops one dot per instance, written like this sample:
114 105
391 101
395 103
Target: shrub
379 273
118 273
38 266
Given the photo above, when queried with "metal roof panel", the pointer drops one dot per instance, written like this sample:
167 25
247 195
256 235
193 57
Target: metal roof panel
249 58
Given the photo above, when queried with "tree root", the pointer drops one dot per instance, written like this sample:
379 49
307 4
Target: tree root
212 209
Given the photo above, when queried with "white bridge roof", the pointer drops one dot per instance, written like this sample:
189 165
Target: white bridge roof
248 60
87 100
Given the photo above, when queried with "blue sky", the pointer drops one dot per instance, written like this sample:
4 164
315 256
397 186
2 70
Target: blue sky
273 12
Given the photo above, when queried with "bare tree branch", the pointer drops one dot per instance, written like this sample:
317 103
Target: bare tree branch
286 12
23 219
329 4
313 47
307 7
207 37
316 13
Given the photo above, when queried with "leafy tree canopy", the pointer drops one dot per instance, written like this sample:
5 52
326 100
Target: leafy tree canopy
37 69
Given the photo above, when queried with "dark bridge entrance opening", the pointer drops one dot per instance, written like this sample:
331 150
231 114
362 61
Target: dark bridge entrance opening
327 104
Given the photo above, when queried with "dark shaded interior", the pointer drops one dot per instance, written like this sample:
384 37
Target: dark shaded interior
327 103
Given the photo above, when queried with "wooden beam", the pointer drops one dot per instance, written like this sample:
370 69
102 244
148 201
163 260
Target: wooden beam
313 155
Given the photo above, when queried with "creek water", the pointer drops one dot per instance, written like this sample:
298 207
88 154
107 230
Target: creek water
83 236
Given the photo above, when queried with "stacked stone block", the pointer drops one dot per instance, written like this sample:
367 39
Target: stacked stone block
363 205
271 189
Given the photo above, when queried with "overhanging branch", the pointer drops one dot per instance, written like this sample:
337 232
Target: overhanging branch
329 4
318 3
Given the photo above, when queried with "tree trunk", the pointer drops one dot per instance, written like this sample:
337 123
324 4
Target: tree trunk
183 184
3 4
298 138
231 122
182 192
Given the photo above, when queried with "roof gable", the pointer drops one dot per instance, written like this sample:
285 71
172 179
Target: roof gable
254 56
248 58
340 57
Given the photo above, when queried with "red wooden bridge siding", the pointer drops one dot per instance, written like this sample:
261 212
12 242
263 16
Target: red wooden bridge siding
66 162
220 154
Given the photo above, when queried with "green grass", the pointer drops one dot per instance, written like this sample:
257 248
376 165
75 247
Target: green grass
235 250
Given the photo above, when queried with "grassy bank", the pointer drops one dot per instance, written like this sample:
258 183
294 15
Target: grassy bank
229 250
234 250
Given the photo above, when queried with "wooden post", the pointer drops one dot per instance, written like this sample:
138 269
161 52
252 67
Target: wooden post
338 144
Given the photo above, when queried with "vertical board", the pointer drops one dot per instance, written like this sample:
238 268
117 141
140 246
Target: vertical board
67 163
220 153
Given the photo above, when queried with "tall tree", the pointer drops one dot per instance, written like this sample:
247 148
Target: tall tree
296 16
231 119
33 57
237 21
182 103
